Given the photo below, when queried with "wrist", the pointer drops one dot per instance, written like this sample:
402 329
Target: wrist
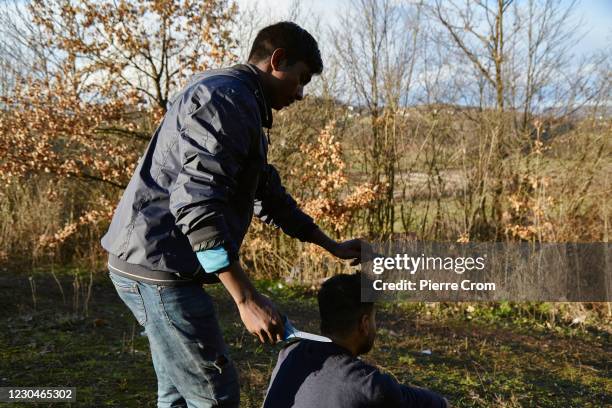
238 284
245 295
332 248
319 238
245 298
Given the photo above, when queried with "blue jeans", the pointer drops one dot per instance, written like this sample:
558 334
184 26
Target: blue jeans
189 355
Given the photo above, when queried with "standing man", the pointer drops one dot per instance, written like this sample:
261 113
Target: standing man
184 214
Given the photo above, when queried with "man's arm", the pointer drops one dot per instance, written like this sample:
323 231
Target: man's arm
216 132
275 206
215 137
257 312
350 249
421 397
389 393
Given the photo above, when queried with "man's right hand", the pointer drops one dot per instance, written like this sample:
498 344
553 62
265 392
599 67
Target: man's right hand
257 312
261 318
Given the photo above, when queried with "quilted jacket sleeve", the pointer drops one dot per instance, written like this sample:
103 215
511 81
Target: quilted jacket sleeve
216 131
275 206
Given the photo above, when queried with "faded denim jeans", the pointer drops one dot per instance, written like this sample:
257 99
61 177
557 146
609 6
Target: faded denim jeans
189 355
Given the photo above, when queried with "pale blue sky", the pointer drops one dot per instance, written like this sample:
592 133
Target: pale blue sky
596 16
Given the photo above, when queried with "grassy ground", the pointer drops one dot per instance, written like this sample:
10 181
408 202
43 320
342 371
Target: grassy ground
486 356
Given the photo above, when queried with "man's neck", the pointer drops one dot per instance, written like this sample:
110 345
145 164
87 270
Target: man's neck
262 71
345 343
264 89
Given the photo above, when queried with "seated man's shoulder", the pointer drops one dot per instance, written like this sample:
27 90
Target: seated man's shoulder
373 387
324 374
364 382
371 381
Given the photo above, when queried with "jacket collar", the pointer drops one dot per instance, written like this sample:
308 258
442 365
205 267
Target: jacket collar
255 79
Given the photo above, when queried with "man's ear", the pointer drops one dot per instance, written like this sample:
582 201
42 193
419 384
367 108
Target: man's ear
278 60
364 324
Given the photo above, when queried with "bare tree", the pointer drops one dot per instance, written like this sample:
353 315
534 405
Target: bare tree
22 47
375 46
477 30
520 54
150 47
249 19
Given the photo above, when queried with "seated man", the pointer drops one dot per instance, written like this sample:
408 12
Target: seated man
311 374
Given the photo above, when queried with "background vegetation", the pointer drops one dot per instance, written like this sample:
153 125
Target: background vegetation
442 120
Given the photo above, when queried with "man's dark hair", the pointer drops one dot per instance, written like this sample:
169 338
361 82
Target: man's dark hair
298 44
340 304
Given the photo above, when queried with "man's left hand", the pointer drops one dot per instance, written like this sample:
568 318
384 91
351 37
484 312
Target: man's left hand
350 249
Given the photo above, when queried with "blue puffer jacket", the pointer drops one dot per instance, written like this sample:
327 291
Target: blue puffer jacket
202 177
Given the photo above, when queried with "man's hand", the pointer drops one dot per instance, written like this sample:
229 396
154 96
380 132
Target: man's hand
350 249
261 318
257 312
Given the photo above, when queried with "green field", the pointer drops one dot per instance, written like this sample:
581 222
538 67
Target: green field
489 355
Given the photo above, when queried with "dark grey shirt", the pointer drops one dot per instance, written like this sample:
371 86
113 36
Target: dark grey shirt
310 374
